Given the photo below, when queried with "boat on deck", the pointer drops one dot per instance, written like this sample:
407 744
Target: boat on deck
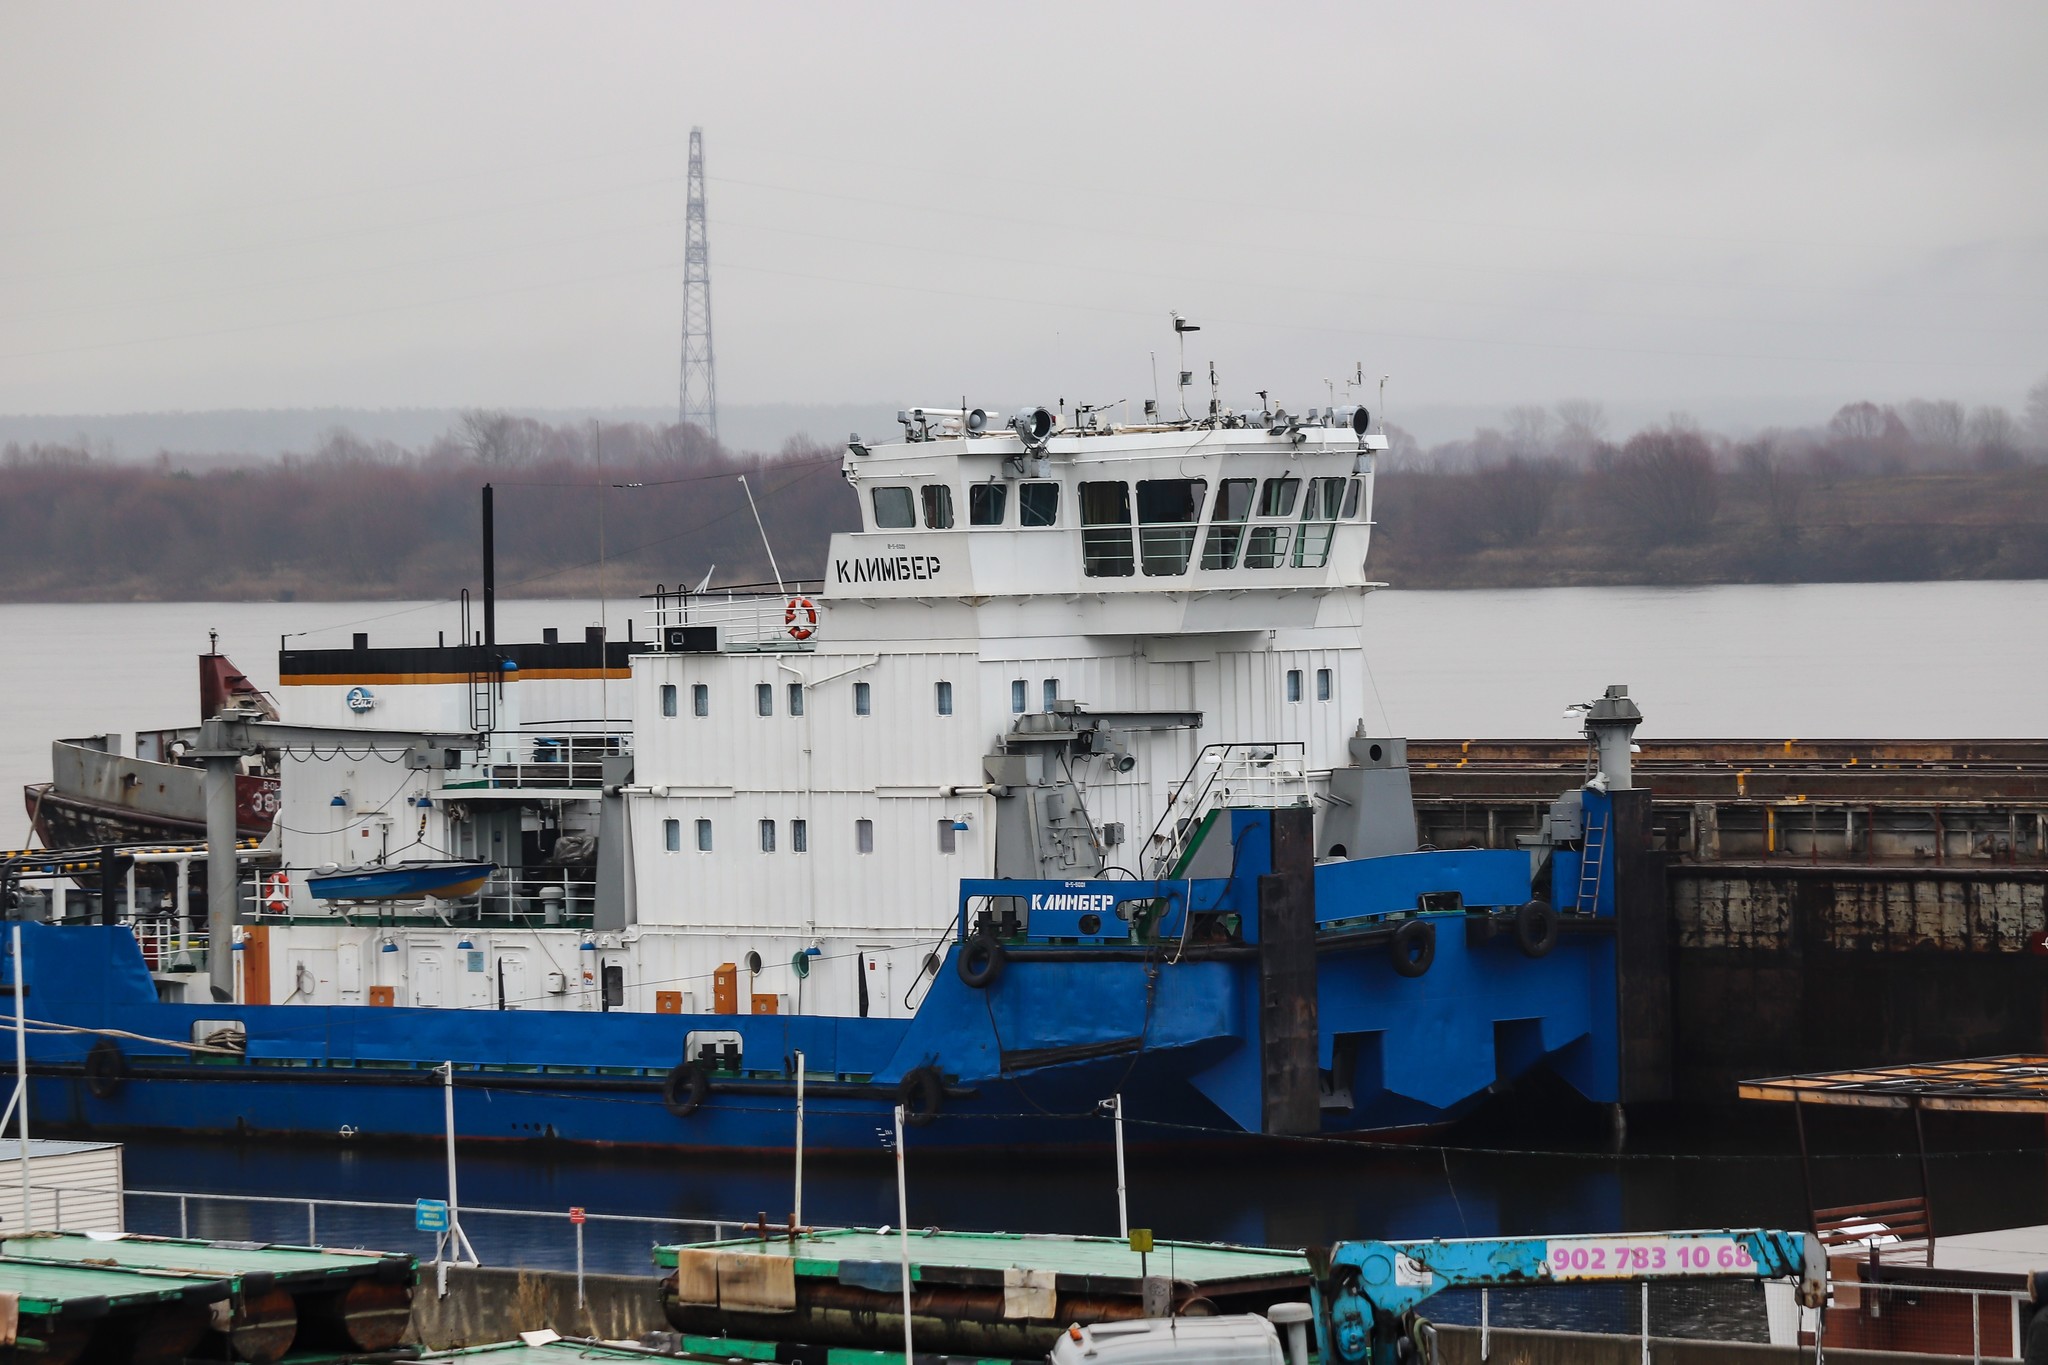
444 879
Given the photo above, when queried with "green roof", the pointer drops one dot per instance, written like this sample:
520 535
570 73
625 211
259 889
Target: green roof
44 1287
227 1259
709 1349
943 1256
553 1352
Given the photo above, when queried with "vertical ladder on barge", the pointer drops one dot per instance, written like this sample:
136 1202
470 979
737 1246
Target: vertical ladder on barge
1592 865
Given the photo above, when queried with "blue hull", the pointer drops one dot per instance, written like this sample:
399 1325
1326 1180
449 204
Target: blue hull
1024 1060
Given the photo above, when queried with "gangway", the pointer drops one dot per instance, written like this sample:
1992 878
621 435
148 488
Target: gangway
1366 1307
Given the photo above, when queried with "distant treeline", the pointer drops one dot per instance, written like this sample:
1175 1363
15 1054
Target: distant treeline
360 519
1926 490
1922 491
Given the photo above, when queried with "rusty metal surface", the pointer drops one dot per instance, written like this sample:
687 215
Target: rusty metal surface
1859 910
2013 1084
945 1318
263 1326
367 1315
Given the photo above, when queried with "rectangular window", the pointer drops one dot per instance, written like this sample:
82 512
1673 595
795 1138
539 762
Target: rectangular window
1167 512
1351 498
863 836
1294 684
985 503
672 835
949 839
700 699
764 699
1266 547
1318 523
945 698
861 698
938 506
1276 499
893 510
1017 698
1322 684
1226 523
799 836
1106 530
1038 504
767 836
703 836
796 699
614 986
1051 692
668 699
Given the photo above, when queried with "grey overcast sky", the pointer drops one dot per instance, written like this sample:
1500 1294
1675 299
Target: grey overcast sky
390 205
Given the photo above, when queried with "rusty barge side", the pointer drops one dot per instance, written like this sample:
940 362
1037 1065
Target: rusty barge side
1827 903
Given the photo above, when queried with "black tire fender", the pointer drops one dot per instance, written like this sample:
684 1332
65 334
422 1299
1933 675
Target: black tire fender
921 1092
981 960
685 1089
106 1069
1414 947
1536 928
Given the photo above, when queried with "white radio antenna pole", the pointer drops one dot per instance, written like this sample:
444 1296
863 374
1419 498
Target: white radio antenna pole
764 537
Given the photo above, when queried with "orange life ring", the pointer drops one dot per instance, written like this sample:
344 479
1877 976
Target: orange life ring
801 618
279 901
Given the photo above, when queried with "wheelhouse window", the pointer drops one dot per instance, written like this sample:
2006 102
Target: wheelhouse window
1266 547
863 698
938 506
668 699
1351 492
1226 523
1168 511
1276 499
985 503
893 510
1106 530
700 699
1318 523
1038 504
764 699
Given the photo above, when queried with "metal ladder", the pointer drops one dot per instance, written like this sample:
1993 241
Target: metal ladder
1592 866
483 701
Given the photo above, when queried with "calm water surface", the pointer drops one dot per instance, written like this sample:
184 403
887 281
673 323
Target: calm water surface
1892 660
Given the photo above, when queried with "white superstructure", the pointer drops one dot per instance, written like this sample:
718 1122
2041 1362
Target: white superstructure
1046 653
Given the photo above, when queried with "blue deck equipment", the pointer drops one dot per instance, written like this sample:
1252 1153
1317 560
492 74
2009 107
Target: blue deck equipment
1367 1305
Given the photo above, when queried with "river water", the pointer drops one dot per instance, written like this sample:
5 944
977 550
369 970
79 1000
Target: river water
1809 661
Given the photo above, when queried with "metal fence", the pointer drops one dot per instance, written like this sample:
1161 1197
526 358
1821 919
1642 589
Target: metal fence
1952 1323
526 1238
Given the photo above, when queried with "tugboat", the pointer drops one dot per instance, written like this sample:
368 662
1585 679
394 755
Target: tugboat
1057 787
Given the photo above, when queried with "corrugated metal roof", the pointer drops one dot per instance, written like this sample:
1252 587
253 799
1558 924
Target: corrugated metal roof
1202 1263
2012 1084
10 1150
44 1285
211 1258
